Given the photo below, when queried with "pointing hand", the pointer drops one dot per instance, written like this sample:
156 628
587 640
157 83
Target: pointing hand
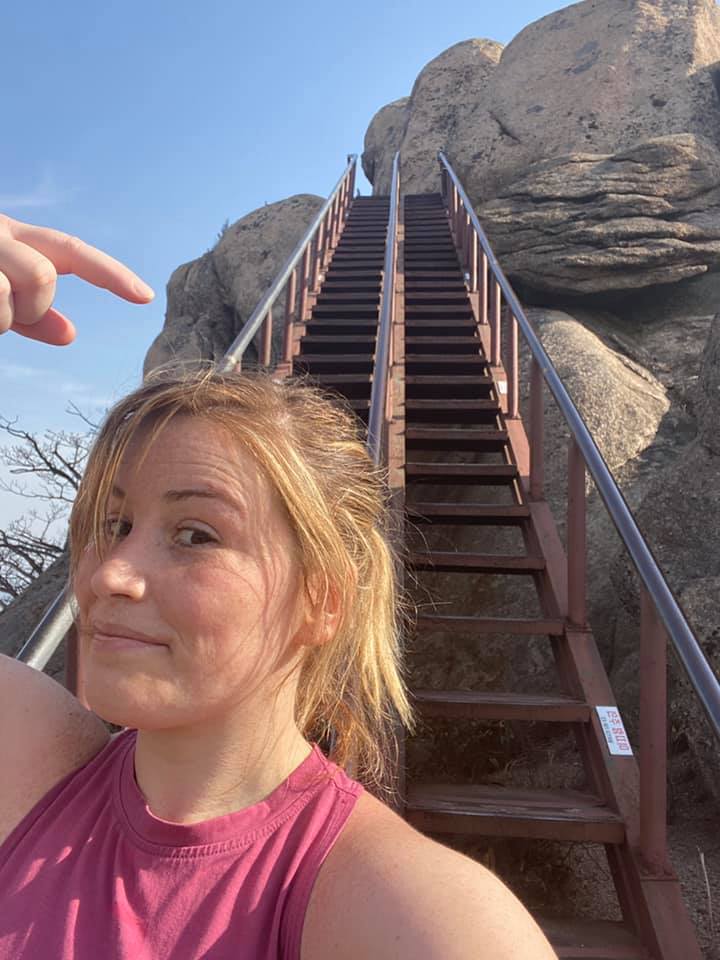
31 258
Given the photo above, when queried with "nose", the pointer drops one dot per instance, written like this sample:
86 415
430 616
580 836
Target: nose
119 573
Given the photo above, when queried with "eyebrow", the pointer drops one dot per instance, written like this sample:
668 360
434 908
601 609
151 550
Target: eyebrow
176 496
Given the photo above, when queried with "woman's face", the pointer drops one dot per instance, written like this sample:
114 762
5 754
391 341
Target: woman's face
194 613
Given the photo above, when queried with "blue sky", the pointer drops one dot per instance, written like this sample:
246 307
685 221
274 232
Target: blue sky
142 127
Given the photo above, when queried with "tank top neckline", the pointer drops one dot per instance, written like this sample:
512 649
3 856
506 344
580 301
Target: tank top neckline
227 832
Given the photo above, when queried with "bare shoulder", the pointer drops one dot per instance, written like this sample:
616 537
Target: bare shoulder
46 734
386 891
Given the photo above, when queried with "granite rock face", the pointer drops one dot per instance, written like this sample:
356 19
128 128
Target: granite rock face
594 77
209 299
446 97
382 141
586 224
621 402
709 392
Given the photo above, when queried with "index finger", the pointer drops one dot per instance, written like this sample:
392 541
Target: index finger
72 255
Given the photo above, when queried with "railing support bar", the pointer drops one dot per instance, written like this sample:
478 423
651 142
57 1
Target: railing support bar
495 322
653 737
291 297
576 537
266 352
537 432
513 369
483 287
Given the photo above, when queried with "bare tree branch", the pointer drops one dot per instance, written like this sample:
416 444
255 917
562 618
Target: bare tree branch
53 463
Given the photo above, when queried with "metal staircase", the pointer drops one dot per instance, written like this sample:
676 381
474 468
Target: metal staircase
401 308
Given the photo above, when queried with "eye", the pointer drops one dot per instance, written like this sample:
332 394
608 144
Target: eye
117 527
195 536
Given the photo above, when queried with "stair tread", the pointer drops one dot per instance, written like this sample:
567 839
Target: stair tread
522 626
577 938
421 378
489 800
501 706
452 432
336 357
443 341
450 561
511 512
473 359
505 470
452 404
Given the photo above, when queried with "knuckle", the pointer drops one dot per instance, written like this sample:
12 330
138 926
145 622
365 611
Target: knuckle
42 274
5 288
73 244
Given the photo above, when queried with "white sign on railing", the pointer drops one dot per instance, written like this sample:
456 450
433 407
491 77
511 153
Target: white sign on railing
614 730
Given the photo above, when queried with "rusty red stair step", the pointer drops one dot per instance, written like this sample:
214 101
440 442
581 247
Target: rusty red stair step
481 514
578 938
446 561
322 343
443 438
490 626
323 363
461 474
491 811
482 705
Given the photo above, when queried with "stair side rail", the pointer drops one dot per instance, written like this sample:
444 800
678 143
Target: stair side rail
380 391
660 614
301 276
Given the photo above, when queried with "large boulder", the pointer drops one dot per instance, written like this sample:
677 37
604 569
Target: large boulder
621 402
446 97
382 141
679 517
594 77
709 392
445 100
209 299
584 223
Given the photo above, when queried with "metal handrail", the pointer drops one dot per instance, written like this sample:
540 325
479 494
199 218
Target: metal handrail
378 394
50 631
240 344
689 652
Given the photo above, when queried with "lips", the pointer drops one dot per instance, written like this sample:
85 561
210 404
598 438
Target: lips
108 631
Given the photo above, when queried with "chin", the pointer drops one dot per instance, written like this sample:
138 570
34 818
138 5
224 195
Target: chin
128 703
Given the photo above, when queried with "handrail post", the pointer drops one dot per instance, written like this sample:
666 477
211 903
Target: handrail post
495 312
317 257
266 353
467 246
351 189
290 298
473 260
576 537
653 737
483 310
513 369
537 432
304 281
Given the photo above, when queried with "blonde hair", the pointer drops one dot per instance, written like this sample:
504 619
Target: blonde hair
350 689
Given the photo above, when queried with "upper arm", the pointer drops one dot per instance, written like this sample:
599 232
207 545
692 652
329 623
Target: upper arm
389 893
46 733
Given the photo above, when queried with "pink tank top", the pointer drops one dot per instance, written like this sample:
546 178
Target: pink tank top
90 872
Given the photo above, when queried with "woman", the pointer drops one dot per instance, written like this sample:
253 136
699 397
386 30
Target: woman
236 602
